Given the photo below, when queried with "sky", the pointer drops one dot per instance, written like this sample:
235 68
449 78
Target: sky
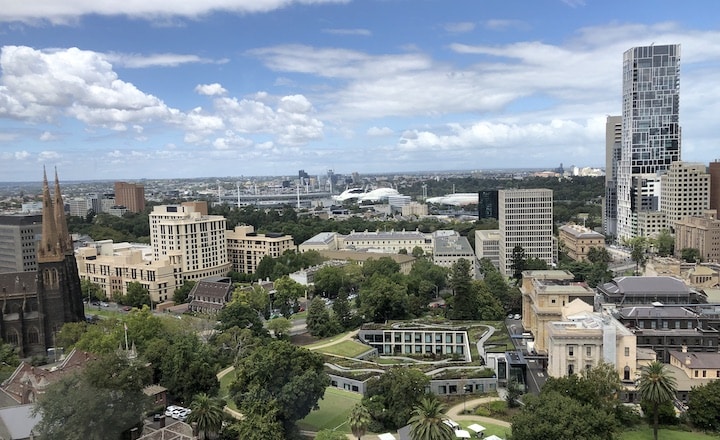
134 89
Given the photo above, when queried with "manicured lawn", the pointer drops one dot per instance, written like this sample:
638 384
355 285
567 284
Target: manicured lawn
345 348
490 429
333 413
664 434
325 341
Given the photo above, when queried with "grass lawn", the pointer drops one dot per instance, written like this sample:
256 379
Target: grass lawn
345 348
325 341
333 413
490 429
225 389
664 434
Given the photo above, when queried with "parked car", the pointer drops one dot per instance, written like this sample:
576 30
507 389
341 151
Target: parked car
517 316
170 409
510 316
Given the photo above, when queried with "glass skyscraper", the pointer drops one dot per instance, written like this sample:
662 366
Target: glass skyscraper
650 129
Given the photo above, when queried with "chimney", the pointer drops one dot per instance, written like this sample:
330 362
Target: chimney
684 349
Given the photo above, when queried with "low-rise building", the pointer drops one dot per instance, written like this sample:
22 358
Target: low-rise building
210 295
389 241
449 249
324 241
577 241
637 290
487 245
420 341
360 257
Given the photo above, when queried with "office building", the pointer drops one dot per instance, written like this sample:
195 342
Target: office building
19 236
488 204
487 245
130 195
701 233
389 241
650 129
194 242
613 144
414 209
246 248
685 192
449 249
79 207
526 220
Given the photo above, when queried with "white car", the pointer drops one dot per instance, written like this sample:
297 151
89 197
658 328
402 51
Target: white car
169 410
517 316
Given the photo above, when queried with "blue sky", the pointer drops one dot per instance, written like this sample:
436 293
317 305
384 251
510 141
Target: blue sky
137 89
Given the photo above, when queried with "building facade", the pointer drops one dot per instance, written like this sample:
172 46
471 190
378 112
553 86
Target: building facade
389 241
526 220
448 249
714 171
685 192
418 341
113 266
650 128
246 248
701 233
19 237
613 144
130 195
577 241
195 243
487 245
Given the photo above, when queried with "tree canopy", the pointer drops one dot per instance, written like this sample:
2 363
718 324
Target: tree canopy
390 399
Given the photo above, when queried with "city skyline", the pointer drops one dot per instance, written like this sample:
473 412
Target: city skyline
242 87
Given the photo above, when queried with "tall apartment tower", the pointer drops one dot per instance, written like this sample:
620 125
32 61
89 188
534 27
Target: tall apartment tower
130 195
613 144
650 129
525 219
19 237
193 241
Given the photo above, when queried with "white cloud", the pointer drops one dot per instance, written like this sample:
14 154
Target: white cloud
498 24
45 156
359 32
68 11
21 155
210 89
137 61
380 131
47 136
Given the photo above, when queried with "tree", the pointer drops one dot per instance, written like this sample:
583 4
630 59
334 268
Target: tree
691 255
465 297
514 391
704 406
664 243
427 421
329 280
417 252
180 295
280 327
381 299
489 307
638 251
390 399
290 378
518 263
341 310
598 254
208 413
255 297
359 420
384 266
318 318
107 401
553 415
656 386
91 290
287 293
137 295
238 314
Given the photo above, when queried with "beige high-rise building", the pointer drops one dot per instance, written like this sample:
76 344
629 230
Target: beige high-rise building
130 195
685 191
525 219
701 233
246 248
113 266
19 237
194 242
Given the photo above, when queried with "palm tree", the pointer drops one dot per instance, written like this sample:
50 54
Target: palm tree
427 421
359 420
208 413
656 386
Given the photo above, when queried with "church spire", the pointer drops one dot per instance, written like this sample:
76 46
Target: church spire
49 243
60 222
